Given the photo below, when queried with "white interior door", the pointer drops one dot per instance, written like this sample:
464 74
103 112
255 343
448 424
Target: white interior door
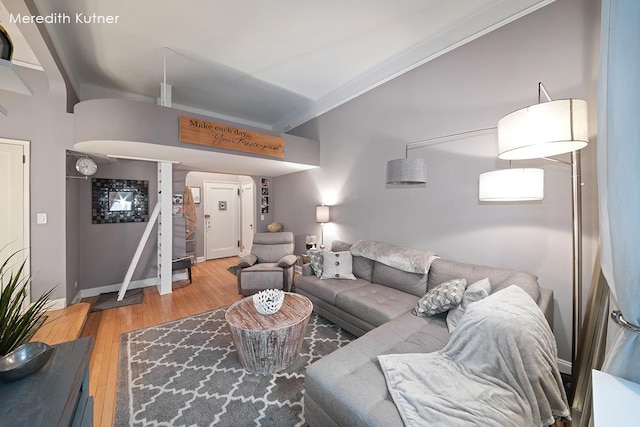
14 209
247 206
221 220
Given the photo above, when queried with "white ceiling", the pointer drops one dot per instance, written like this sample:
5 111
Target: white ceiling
273 64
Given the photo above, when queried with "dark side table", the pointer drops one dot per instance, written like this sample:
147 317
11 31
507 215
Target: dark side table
182 263
55 396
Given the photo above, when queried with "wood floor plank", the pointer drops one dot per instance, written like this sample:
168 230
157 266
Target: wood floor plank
213 287
62 325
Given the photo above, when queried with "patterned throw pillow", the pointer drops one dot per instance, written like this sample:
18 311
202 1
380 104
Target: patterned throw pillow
442 298
315 259
474 292
337 265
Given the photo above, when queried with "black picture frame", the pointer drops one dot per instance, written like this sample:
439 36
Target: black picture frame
102 196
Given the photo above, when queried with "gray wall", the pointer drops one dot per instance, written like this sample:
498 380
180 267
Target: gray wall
105 250
42 119
72 231
469 88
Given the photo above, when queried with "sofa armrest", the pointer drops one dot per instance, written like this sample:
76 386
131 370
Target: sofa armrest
247 261
307 270
545 302
287 261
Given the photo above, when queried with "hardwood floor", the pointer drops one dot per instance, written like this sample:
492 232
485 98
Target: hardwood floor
213 287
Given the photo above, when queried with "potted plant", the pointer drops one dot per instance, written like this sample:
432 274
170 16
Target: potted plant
16 323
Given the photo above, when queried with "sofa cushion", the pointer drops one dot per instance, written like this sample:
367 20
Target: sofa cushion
337 265
327 289
474 292
375 303
269 277
340 246
411 283
442 270
349 381
442 298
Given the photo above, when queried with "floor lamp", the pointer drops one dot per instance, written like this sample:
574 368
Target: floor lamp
540 131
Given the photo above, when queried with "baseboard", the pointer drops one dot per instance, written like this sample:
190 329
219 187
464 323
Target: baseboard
56 304
201 259
134 284
564 367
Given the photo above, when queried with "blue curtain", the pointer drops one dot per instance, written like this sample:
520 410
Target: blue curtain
619 176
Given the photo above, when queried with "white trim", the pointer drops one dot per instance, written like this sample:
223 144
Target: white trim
26 229
201 259
135 284
165 227
56 304
564 366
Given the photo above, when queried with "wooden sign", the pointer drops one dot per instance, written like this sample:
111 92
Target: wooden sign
197 131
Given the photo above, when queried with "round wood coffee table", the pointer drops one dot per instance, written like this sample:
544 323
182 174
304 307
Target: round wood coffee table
269 343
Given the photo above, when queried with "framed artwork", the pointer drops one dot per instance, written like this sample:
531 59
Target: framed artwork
119 200
264 193
177 204
195 192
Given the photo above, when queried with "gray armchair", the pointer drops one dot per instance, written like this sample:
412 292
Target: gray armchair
270 265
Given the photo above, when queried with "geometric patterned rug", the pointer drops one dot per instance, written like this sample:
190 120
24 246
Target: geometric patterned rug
186 373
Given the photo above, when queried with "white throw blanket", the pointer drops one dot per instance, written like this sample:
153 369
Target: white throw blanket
404 259
498 369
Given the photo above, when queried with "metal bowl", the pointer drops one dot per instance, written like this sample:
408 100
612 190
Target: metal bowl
24 361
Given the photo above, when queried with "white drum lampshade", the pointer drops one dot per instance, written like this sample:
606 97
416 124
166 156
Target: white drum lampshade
507 185
543 130
322 214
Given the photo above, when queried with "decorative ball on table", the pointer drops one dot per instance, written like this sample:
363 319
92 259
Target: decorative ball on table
268 301
275 227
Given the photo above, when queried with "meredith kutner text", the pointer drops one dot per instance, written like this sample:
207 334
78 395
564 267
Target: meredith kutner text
63 18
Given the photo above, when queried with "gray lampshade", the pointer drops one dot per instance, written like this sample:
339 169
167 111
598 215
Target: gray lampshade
406 171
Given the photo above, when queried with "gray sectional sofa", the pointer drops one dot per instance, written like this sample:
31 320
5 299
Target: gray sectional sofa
347 387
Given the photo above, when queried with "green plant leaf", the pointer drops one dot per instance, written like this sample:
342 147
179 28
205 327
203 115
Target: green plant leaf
16 323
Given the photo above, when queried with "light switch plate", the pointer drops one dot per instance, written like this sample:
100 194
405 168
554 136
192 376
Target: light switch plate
41 218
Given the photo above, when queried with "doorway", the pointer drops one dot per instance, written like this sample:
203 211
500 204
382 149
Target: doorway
14 193
221 219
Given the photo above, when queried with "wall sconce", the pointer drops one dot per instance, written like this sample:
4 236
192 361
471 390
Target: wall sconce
511 185
322 217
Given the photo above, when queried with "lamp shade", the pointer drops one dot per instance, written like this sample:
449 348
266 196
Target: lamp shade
407 171
543 130
508 185
322 214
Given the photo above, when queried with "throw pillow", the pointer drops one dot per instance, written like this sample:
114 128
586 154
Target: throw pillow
315 259
475 292
443 297
337 265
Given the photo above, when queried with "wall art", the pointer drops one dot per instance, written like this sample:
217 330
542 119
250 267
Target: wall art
119 200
